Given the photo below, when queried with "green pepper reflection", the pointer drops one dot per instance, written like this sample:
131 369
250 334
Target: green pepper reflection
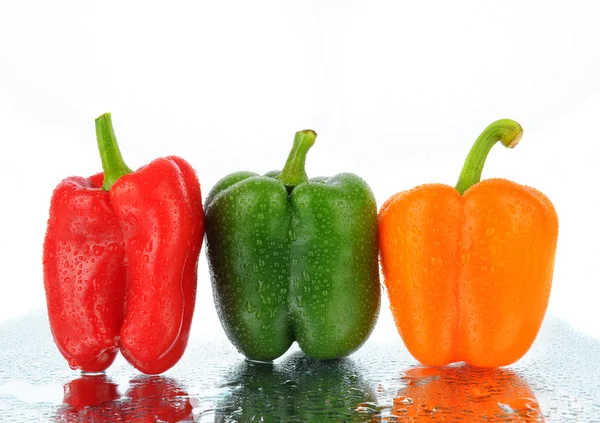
299 389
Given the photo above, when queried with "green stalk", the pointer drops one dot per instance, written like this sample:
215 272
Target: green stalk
293 173
507 131
112 162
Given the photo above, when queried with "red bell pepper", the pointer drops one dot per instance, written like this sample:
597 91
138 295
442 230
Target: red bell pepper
120 261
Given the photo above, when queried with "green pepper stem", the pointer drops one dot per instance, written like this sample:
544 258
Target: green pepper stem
112 162
507 131
293 173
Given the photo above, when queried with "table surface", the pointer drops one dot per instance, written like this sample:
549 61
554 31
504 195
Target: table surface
557 381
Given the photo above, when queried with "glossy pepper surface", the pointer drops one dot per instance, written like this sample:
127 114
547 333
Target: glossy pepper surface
469 270
120 261
294 259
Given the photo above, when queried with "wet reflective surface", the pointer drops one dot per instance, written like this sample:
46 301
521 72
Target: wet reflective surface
557 381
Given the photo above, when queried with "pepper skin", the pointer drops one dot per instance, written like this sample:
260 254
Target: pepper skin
120 261
294 259
469 270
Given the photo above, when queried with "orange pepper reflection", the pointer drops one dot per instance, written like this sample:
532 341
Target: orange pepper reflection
465 394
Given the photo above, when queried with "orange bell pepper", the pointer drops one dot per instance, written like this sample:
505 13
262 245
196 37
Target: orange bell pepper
469 270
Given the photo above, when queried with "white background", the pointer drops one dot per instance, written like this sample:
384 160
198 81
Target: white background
397 92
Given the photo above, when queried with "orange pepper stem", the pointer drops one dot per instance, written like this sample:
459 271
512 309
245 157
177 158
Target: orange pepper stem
293 173
506 131
112 161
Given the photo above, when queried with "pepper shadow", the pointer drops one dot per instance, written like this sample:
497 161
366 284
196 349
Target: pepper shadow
299 389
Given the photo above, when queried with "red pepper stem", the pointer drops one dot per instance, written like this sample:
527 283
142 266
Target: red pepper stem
293 174
507 131
112 162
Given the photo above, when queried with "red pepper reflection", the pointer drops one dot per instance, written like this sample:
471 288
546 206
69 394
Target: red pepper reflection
90 390
156 398
466 394
91 398
95 398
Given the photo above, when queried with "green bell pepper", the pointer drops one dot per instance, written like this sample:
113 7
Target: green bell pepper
293 259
